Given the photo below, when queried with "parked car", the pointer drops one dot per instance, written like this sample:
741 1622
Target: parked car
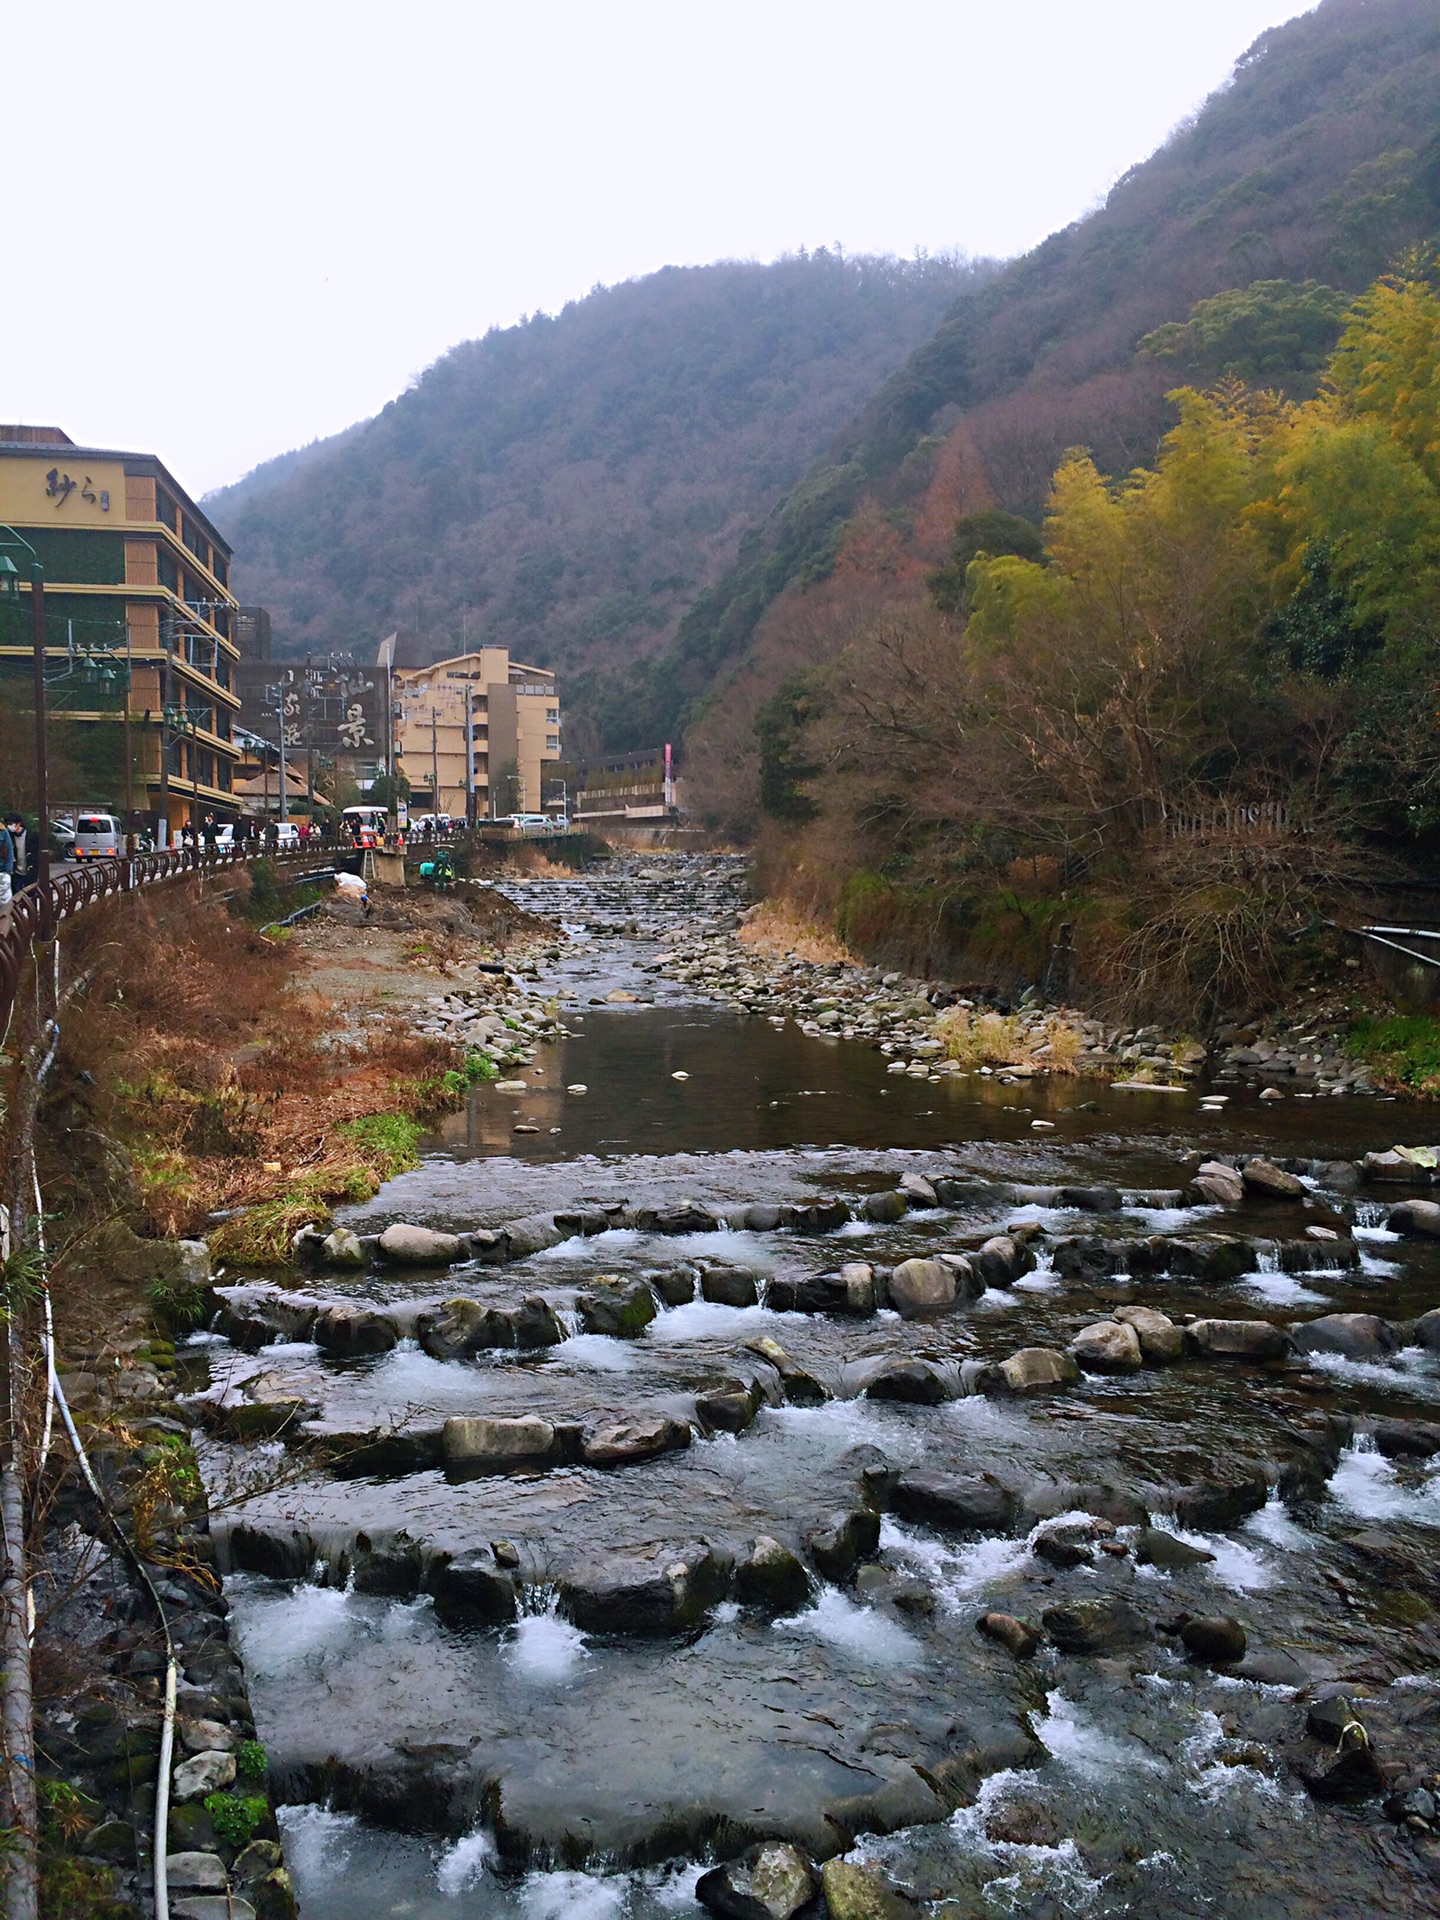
289 835
225 838
97 837
62 838
530 822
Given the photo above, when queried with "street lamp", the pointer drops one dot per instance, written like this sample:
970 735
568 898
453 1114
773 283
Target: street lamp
11 541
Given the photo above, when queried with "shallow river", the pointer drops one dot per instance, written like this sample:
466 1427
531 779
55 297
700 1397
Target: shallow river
439 1766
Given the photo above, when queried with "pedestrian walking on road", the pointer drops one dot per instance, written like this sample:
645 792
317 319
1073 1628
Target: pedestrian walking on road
23 841
208 830
7 878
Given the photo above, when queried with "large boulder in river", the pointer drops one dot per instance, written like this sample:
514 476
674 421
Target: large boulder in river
729 1407
347 1332
1222 1500
1237 1340
343 1248
1427 1329
1032 1370
918 1383
255 1317
621 1308
1153 1547
1416 1218
884 1209
474 1589
959 1503
921 1286
1109 1346
729 1287
1266 1181
837 1549
411 1246
1394 1168
457 1328
771 1881
485 1445
1095 1626
771 1577
1002 1260
618 1594
862 1893
1220 1184
1161 1341
1355 1336
621 1439
1216 1641
800 1387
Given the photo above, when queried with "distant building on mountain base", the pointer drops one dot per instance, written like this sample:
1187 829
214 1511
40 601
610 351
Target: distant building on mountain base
477 723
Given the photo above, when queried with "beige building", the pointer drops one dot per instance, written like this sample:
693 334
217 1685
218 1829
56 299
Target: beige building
479 711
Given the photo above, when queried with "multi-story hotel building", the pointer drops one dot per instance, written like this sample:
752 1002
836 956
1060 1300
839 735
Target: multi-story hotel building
479 710
138 609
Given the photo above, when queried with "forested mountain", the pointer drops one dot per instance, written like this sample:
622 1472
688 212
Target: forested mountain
1316 164
567 486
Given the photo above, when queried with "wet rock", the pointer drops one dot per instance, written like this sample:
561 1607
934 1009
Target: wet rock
729 1287
1219 1184
1416 1219
1220 1502
676 1288
1215 1262
207 1736
862 1893
1215 1642
1161 1341
1095 1626
761 1219
918 1383
212 1906
1065 1547
620 1308
487 1247
857 1284
483 1445
801 1389
1091 1199
921 1286
918 1190
411 1246
1253 1340
202 1872
1002 1260
1022 1640
1394 1168
1089 1260
348 1332
1266 1181
771 1881
728 1408
884 1208
386 1562
534 1324
820 1216
1032 1370
1400 1439
837 1549
1427 1329
203 1773
458 1328
772 1578
957 1503
1355 1775
342 1248
1109 1346
255 1317
622 1440
473 1588
1358 1336
1156 1548
687 1217
273 1896
651 1596
535 1235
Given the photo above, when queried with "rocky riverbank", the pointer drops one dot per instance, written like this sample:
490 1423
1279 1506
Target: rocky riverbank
930 1028
118 1584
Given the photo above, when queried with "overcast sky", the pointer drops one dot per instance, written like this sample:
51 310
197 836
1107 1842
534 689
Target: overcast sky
234 225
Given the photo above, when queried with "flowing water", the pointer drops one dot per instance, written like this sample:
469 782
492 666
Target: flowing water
535 1770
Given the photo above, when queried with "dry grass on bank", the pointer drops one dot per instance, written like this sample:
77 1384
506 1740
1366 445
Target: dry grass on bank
195 1077
780 927
1001 1040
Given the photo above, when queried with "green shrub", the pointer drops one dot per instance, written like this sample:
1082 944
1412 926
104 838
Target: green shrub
252 1761
388 1138
1404 1048
235 1816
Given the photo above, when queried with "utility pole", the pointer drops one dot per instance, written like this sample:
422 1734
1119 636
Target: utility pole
129 768
42 766
277 695
434 764
165 689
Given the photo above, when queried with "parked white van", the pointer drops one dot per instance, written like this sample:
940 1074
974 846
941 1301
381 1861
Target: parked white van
97 837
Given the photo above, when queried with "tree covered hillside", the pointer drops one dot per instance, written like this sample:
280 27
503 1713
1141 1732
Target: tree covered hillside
1291 189
567 486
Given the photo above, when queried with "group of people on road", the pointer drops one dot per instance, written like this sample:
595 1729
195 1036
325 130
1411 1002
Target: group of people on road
17 864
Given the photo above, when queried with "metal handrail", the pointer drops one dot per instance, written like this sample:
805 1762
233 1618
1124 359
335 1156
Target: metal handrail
35 916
